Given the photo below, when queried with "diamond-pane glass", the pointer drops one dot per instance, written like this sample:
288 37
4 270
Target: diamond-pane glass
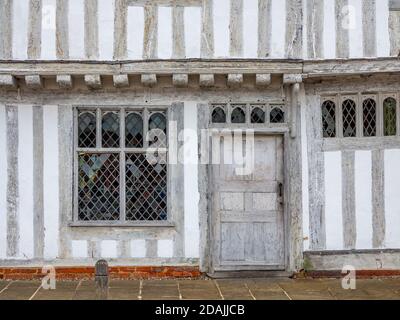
219 115
349 118
158 121
146 189
110 130
329 119
389 117
238 115
369 118
277 115
99 187
257 116
87 130
134 131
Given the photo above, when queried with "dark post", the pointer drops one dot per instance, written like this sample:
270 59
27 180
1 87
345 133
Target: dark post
101 279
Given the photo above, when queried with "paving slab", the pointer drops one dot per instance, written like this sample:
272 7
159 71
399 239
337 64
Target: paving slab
20 290
160 290
63 291
4 284
234 290
199 290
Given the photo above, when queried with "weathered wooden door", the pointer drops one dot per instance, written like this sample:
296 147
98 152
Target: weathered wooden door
247 207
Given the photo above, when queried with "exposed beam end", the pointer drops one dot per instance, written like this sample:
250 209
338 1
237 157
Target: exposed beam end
235 80
149 80
207 80
34 82
64 81
289 79
121 80
263 80
180 80
93 81
8 81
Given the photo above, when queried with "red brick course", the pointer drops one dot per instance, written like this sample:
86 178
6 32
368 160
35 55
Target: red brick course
77 273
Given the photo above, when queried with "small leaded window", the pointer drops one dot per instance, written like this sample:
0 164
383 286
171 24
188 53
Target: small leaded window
110 130
87 130
258 116
277 115
218 115
116 183
349 118
369 118
134 130
329 119
238 115
389 117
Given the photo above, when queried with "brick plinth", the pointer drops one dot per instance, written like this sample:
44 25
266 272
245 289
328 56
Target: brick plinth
77 273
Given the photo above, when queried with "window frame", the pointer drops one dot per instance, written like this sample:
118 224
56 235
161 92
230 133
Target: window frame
359 99
146 111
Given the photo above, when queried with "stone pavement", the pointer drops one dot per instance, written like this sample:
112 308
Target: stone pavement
244 289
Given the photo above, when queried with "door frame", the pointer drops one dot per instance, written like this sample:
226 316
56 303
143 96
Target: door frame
213 245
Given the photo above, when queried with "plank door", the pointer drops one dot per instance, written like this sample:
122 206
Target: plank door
247 206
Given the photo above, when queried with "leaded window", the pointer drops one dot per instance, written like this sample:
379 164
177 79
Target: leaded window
389 117
329 119
258 115
238 114
219 115
277 115
349 118
369 118
121 166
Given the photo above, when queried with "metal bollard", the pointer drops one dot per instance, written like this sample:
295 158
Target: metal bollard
101 278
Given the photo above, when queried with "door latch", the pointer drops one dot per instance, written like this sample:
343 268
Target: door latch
280 192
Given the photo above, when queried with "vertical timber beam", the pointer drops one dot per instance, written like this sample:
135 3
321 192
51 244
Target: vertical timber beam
315 29
316 174
6 30
34 29
178 27
236 28
91 30
207 30
369 27
38 167
394 31
342 30
150 31
264 28
120 30
62 39
294 32
12 181
378 199
348 196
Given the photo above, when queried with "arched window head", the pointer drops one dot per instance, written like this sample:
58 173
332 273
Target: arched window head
389 117
87 130
238 115
134 130
349 118
277 115
110 130
329 119
158 121
257 116
369 118
218 115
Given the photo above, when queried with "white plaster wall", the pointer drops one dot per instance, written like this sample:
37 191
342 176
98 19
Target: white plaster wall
278 36
192 196
193 20
355 29
109 249
329 29
250 28
49 29
138 248
221 28
333 200
363 193
76 21
20 28
392 198
165 32
106 29
135 32
382 28
3 184
50 181
25 180
79 249
165 248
